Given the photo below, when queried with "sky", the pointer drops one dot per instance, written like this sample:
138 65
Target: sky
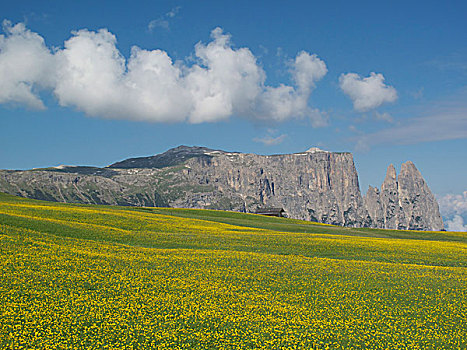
92 83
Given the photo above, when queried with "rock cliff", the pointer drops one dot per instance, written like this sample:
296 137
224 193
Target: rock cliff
313 185
404 202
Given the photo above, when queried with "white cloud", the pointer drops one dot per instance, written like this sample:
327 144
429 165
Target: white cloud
163 21
94 77
456 224
225 81
89 73
453 207
451 204
307 70
25 65
367 93
270 140
158 22
282 102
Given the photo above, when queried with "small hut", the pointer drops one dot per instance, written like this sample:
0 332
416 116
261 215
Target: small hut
279 212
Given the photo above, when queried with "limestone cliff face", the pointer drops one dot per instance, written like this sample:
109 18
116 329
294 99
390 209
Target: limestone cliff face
404 202
372 202
314 185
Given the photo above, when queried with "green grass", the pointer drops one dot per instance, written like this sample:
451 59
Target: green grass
98 277
299 226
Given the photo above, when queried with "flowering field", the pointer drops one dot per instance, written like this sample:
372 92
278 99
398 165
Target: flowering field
75 276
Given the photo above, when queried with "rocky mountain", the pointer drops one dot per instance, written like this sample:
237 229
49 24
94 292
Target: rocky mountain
404 202
313 185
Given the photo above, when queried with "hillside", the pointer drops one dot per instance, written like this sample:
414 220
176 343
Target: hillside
87 276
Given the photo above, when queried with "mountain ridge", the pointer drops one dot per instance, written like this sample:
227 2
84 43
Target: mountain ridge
314 185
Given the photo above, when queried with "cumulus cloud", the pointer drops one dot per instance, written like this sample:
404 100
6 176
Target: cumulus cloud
282 102
25 66
367 93
94 77
225 80
456 224
90 74
307 70
451 204
453 207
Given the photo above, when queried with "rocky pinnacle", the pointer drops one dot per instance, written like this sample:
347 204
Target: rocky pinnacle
404 202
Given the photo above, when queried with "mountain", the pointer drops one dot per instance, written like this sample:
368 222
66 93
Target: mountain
314 185
404 202
174 156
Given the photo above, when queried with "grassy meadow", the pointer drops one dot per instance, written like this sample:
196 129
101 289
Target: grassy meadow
100 277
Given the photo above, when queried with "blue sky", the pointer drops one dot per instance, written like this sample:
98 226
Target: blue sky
384 81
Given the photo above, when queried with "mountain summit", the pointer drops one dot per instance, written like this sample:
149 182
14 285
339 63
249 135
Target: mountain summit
174 156
314 185
404 202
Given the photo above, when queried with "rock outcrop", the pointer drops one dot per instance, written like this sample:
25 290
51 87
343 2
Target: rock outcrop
404 202
80 185
314 185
